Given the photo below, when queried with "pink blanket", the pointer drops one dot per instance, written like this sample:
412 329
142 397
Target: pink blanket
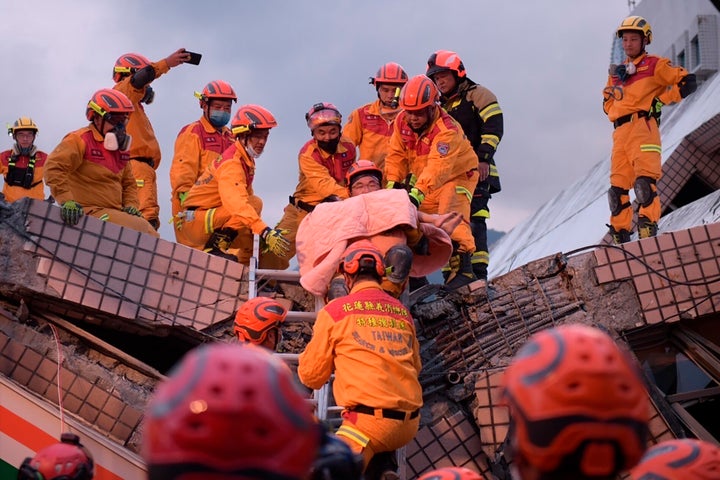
324 235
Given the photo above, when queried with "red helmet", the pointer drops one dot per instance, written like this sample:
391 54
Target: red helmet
360 169
418 93
390 73
323 113
217 89
445 61
452 473
108 101
576 386
362 256
67 460
233 409
128 64
679 459
257 317
250 117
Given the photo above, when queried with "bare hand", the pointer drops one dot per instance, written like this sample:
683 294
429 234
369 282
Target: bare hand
177 57
446 221
483 171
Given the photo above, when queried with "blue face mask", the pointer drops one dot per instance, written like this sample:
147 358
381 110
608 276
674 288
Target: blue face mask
218 118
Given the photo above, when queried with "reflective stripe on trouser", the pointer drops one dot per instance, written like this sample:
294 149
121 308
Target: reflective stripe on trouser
146 181
290 221
382 434
636 152
123 219
455 196
197 231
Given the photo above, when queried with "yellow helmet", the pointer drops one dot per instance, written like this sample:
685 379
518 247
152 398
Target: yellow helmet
636 24
22 123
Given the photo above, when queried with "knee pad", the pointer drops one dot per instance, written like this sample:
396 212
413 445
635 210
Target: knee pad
644 191
399 260
615 200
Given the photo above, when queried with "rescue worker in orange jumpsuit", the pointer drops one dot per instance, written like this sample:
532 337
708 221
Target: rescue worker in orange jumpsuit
367 339
66 460
370 126
230 411
679 459
428 144
258 322
201 142
22 166
221 210
323 161
632 98
132 75
89 171
478 112
578 407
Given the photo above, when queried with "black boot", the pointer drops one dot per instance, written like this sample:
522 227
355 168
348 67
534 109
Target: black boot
219 242
464 274
646 228
618 237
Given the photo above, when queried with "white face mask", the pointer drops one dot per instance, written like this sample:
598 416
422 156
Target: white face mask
250 151
111 143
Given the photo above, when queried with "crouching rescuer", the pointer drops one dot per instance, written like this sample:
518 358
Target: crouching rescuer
221 210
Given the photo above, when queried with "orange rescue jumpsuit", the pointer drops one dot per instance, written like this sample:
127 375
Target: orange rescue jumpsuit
23 174
321 175
445 165
370 129
144 149
197 144
223 197
368 340
81 169
636 142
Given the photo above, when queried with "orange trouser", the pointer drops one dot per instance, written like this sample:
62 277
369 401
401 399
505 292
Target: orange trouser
123 219
198 225
145 178
636 152
455 196
369 434
290 221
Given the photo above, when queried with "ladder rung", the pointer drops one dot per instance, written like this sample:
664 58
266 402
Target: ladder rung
294 316
286 275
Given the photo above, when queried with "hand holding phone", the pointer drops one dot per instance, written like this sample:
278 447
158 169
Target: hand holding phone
194 58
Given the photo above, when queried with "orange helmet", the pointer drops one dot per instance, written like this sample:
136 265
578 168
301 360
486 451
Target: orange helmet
452 473
360 169
67 460
390 73
445 61
362 256
679 460
636 24
257 317
418 93
576 402
108 101
250 117
128 64
217 89
215 391
323 113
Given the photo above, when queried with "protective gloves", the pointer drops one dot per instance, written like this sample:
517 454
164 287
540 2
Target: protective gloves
416 196
71 212
132 211
656 109
275 242
182 196
688 84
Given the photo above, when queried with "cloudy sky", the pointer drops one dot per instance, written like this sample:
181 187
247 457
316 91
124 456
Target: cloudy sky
545 61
